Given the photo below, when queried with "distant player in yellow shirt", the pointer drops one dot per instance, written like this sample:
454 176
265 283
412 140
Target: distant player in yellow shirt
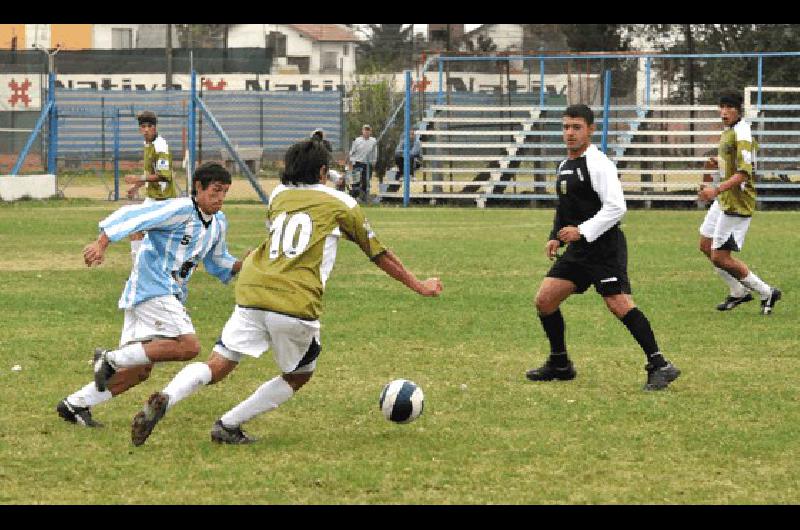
727 221
279 294
157 171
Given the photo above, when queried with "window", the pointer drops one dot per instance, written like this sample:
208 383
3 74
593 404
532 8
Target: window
121 38
330 62
345 50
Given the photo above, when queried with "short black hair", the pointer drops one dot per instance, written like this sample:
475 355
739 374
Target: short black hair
147 117
303 161
579 110
208 173
731 98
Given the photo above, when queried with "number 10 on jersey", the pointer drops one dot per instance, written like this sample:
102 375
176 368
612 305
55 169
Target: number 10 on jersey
289 235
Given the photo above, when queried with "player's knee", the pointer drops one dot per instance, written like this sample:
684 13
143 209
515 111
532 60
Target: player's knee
545 305
296 381
188 348
719 260
144 374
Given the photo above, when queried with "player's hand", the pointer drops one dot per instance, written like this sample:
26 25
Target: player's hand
568 234
707 193
551 248
93 254
430 287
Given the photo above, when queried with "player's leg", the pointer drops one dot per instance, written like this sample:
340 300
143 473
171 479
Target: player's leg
76 408
158 330
561 281
185 383
611 281
296 346
737 292
729 237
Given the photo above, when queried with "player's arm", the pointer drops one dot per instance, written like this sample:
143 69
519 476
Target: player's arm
709 193
744 168
142 217
221 263
389 263
356 228
605 182
94 252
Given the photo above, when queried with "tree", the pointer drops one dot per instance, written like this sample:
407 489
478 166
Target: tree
712 75
386 50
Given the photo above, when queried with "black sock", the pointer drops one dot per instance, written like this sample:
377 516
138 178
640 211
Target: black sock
553 325
640 328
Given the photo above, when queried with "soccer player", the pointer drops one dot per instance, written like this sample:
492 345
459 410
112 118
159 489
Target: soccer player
279 295
726 223
590 208
157 173
178 235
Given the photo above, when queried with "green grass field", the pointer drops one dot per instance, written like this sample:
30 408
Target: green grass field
725 432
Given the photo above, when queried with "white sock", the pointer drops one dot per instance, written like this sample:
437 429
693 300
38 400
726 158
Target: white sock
755 283
737 289
128 356
267 397
88 396
187 382
135 245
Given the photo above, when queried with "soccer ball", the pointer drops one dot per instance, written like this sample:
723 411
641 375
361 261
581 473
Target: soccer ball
401 401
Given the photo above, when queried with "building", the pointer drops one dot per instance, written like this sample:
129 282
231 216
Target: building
31 36
301 48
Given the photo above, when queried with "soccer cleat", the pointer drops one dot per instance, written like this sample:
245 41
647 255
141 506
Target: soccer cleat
77 415
768 304
221 434
732 301
146 419
103 371
548 372
660 378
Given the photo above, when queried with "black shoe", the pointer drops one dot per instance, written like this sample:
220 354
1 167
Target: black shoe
103 371
145 420
78 415
768 304
732 301
221 434
548 372
660 378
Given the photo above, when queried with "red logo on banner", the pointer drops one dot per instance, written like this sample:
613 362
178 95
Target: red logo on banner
420 86
19 92
208 85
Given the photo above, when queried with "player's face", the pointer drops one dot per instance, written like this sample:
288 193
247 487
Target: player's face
210 199
576 133
148 130
728 114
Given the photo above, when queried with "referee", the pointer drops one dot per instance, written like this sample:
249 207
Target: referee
590 208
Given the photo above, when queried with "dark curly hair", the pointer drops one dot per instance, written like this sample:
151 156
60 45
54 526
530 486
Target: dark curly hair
303 161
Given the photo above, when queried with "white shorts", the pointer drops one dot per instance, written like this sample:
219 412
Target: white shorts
295 343
159 317
727 232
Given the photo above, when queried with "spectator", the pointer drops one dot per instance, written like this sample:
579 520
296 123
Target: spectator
363 155
415 153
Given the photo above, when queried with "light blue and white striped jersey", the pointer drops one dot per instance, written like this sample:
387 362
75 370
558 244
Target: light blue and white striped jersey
178 236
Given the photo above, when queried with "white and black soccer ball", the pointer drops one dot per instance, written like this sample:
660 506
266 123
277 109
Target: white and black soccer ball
401 401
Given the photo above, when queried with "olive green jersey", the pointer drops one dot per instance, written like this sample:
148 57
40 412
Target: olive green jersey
737 153
288 271
157 161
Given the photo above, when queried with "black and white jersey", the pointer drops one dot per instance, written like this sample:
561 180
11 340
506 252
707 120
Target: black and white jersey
589 196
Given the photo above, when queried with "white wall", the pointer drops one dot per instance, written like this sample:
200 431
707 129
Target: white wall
33 186
101 34
297 44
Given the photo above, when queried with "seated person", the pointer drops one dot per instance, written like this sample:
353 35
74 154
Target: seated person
415 153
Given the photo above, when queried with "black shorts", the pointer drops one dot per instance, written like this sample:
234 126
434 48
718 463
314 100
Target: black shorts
603 264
